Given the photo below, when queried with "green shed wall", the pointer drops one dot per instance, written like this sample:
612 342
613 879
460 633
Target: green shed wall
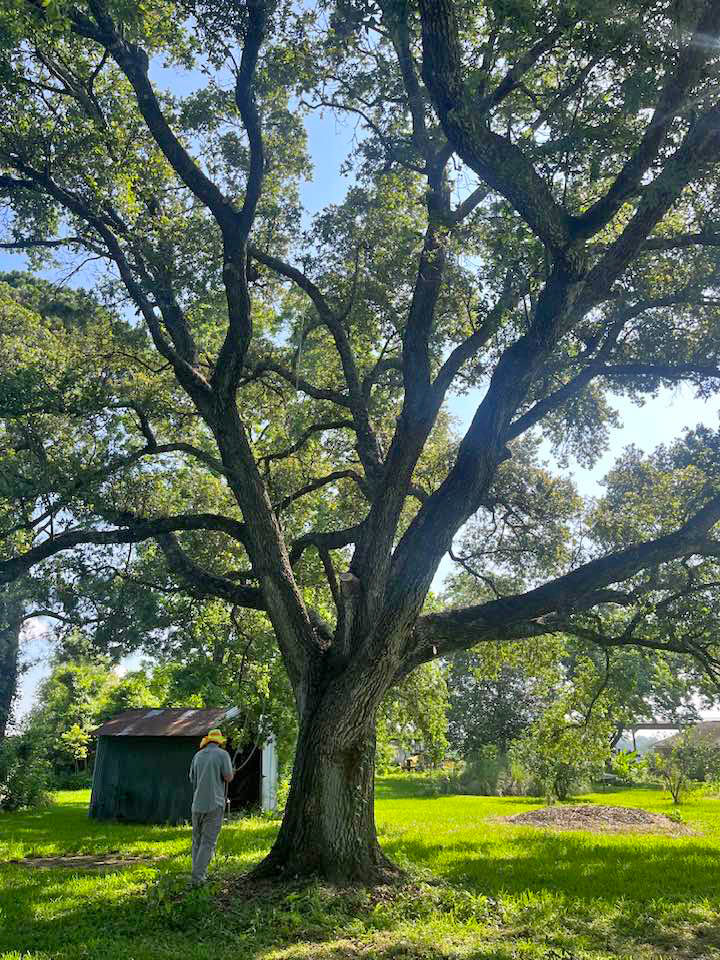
143 779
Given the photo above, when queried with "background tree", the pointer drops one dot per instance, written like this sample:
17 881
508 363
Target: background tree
68 699
485 710
688 758
413 718
77 696
74 743
533 216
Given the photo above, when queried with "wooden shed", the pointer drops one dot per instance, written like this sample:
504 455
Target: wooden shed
143 759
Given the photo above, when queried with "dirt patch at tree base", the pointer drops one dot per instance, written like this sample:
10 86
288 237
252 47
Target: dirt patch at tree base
599 819
101 862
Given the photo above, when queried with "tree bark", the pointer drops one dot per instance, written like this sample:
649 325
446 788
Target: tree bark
10 627
328 828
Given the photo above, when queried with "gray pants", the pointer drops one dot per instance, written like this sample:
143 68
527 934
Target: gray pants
205 832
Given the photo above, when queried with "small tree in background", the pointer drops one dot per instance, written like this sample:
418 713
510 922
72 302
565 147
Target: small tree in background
569 743
689 758
560 755
74 743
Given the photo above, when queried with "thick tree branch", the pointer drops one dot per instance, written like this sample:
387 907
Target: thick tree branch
318 483
330 540
231 358
471 345
575 591
420 404
522 66
596 365
696 153
662 371
466 206
249 114
430 533
14 567
689 69
382 366
87 479
569 293
395 16
40 182
495 159
279 266
304 437
299 383
133 61
29 243
203 583
682 240
368 447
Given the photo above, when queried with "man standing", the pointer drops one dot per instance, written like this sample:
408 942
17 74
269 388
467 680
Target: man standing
210 770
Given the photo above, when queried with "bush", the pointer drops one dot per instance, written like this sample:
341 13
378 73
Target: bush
281 797
70 780
627 767
687 759
435 783
24 776
487 773
559 758
516 781
483 771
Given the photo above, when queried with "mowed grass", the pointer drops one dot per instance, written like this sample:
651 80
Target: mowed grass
476 889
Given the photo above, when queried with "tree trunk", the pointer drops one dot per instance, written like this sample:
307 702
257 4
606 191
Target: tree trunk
10 627
328 828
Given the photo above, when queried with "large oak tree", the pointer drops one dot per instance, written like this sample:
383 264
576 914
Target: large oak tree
532 219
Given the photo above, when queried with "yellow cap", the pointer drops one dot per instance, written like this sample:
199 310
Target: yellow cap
214 736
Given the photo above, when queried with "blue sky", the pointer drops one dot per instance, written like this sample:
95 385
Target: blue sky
660 420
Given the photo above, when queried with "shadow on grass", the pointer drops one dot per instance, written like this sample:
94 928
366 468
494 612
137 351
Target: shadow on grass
66 829
321 924
524 890
576 866
616 894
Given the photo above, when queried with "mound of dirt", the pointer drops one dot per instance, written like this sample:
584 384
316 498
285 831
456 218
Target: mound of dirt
599 819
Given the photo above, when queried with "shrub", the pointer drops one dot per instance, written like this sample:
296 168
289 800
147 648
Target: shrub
560 756
487 773
627 767
24 776
516 781
70 780
689 758
484 770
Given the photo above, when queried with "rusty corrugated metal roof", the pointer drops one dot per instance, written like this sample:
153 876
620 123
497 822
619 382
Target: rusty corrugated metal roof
165 722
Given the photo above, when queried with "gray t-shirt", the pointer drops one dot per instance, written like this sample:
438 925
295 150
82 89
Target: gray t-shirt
206 775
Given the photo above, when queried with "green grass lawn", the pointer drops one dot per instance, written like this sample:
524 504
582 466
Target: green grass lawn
477 889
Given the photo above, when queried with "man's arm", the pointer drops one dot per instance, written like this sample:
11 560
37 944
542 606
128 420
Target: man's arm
228 773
